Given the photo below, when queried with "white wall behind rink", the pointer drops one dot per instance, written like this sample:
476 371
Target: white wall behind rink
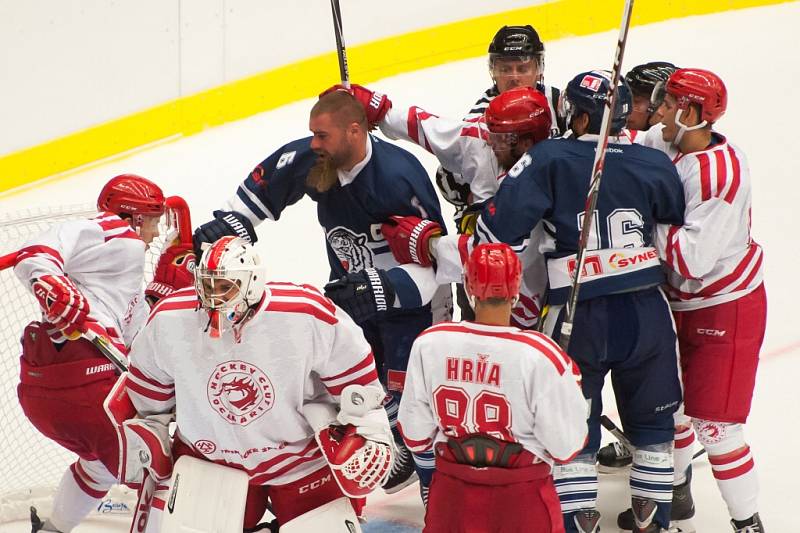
69 64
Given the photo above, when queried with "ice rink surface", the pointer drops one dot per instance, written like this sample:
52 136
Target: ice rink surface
753 50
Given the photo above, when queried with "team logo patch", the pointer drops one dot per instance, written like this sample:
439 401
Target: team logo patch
240 392
711 432
258 175
205 446
593 83
350 248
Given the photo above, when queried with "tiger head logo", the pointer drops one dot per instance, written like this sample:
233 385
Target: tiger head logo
350 248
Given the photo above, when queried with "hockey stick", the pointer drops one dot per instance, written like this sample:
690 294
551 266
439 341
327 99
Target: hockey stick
597 174
344 73
625 441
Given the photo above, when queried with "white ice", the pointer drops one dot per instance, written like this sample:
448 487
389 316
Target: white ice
753 50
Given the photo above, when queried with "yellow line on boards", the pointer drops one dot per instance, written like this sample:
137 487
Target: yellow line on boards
368 62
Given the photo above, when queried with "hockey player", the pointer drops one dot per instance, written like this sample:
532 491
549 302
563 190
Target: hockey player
482 152
88 274
622 323
715 276
516 59
642 79
238 385
499 405
357 181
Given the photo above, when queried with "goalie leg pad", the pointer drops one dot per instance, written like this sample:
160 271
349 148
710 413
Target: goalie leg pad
205 496
335 516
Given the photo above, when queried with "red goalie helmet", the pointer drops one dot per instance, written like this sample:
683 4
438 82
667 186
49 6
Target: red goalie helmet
520 110
133 195
701 87
493 271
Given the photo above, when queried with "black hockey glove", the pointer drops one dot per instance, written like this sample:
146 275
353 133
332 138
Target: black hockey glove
224 223
363 294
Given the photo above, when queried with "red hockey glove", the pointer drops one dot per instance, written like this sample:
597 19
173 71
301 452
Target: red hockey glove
175 270
376 105
409 238
63 304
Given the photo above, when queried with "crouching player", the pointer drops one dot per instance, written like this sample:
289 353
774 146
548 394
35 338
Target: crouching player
498 405
240 360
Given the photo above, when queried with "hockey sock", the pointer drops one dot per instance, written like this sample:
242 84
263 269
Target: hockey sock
684 450
576 485
732 465
425 465
82 487
651 478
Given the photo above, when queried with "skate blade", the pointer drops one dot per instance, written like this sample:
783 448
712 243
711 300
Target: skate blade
413 478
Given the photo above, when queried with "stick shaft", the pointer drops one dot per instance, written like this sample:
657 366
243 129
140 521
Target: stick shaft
341 52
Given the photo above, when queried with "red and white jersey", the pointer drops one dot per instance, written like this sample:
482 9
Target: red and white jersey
104 257
711 259
239 403
515 385
460 146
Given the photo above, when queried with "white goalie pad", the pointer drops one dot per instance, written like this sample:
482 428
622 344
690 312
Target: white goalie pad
204 497
333 517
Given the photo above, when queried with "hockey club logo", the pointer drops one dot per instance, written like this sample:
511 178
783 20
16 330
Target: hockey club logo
205 446
711 432
350 248
240 392
258 175
593 83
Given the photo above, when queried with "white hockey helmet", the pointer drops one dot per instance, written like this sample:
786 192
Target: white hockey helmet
230 278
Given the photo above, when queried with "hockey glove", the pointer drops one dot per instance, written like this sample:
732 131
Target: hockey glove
63 304
376 105
409 238
146 446
363 294
175 270
359 449
224 223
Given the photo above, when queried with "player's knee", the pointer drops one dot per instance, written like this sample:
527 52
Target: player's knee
719 438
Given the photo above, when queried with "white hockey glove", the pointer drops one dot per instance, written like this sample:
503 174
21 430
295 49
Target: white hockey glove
359 455
146 445
144 442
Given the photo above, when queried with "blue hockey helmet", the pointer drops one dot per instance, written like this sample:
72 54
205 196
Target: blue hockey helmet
587 93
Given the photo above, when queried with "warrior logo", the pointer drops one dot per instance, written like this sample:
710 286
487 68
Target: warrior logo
240 392
350 248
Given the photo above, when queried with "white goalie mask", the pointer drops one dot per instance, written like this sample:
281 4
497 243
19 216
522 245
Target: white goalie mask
229 279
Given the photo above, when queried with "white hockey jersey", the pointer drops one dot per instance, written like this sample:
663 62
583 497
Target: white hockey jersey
239 403
712 258
105 258
515 385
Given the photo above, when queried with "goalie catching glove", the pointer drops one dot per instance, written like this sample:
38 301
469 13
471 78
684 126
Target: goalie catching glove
62 303
175 270
409 239
363 294
357 444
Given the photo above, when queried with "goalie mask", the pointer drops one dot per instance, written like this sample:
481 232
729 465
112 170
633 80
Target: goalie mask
229 280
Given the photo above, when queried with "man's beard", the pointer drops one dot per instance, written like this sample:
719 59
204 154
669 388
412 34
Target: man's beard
322 175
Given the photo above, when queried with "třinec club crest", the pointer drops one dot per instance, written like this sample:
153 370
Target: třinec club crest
350 248
240 392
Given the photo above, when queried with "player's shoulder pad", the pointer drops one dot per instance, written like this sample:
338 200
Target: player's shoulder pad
304 299
182 299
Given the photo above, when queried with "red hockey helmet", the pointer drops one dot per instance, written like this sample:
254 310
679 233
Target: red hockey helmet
133 195
701 87
493 271
520 110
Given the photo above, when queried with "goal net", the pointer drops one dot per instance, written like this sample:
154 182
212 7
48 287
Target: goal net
31 465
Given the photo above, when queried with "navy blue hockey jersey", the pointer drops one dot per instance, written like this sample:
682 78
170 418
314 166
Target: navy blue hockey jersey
640 188
392 182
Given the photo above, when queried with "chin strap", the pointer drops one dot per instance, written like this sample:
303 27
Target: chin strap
683 128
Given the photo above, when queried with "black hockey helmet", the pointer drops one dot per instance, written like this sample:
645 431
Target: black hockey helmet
516 41
642 79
